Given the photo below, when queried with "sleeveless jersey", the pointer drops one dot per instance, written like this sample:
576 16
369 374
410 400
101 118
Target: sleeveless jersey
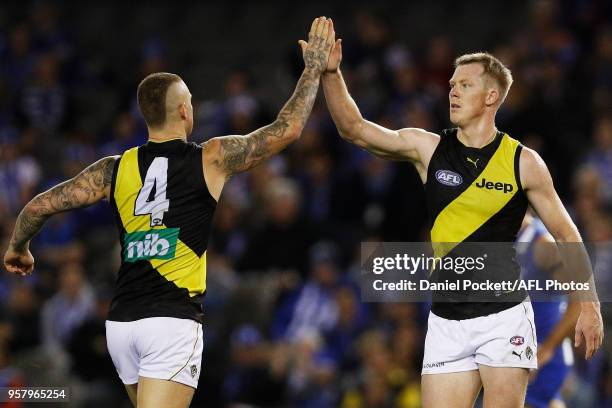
164 213
474 195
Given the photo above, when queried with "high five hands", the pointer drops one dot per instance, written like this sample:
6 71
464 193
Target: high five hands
322 52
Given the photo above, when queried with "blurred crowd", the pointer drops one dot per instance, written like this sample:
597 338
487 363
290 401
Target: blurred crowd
285 325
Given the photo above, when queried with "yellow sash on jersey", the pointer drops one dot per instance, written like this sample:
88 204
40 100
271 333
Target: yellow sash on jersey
186 269
476 205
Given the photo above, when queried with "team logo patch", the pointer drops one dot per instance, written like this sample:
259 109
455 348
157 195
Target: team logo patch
528 353
151 244
194 370
448 178
517 340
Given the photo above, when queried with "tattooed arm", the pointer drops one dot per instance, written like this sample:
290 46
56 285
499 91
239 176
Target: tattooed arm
86 188
228 155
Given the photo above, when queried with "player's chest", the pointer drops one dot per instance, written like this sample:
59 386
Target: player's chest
469 178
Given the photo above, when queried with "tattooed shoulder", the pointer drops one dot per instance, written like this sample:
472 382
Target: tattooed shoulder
100 173
234 152
229 153
108 168
96 178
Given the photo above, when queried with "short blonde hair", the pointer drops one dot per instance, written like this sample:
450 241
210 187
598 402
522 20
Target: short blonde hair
493 68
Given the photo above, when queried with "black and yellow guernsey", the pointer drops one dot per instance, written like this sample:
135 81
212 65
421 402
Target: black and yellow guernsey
474 195
164 213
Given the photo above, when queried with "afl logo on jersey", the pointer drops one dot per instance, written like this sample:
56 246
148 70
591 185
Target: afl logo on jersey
517 340
448 178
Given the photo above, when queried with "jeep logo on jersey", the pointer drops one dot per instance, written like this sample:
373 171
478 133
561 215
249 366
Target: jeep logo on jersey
448 178
152 244
517 340
489 185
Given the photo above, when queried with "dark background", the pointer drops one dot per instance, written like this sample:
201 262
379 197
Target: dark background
284 324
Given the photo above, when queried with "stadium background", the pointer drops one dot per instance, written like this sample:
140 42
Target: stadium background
286 233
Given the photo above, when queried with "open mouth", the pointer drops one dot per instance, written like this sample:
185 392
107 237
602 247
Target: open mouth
455 106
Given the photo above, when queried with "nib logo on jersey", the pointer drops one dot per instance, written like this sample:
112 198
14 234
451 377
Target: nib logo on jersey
151 244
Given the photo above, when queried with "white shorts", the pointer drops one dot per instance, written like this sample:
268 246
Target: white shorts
166 348
504 339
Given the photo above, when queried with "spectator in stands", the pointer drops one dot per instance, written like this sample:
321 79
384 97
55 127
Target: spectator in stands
312 307
71 306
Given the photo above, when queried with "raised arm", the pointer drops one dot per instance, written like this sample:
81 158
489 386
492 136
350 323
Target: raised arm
538 186
86 188
228 155
416 145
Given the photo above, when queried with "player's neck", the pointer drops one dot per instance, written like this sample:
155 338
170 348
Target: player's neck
477 134
166 133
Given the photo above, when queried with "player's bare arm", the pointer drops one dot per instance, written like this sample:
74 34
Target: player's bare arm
538 185
228 155
86 188
410 144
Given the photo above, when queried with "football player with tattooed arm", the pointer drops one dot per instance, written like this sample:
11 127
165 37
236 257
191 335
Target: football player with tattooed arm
163 195
478 183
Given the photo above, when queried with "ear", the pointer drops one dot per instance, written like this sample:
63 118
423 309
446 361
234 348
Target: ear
493 96
182 110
